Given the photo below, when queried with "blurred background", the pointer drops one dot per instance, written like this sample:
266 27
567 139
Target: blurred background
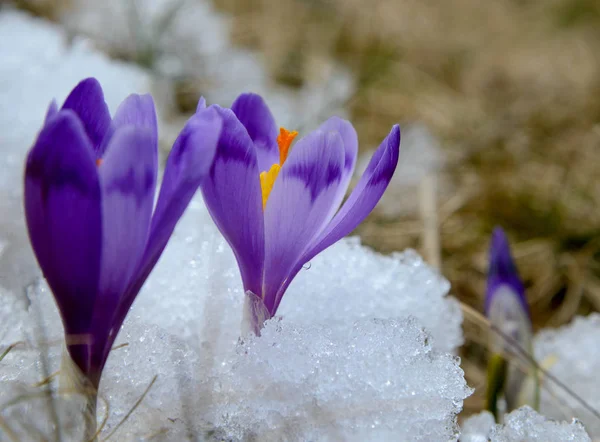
498 103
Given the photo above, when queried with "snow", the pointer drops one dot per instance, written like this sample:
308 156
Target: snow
571 354
522 425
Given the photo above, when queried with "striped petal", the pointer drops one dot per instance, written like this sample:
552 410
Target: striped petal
187 166
350 139
63 211
233 196
256 117
299 207
363 198
128 181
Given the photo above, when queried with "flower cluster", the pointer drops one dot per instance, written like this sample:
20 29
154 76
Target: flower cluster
90 183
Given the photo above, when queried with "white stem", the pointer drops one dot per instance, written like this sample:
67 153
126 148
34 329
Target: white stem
73 382
255 314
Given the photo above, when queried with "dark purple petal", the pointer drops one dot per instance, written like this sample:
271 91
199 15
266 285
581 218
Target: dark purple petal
63 210
350 139
256 117
300 206
363 198
87 100
233 196
187 166
51 112
201 104
502 271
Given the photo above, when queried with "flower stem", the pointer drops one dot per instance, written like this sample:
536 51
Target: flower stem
72 381
255 314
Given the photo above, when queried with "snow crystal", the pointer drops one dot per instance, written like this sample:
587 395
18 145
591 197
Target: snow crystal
522 425
477 428
570 354
525 424
376 380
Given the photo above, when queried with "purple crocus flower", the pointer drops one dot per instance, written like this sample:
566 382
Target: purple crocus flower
90 183
507 310
503 279
277 211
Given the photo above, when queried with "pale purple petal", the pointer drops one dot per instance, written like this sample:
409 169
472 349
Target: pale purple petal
187 166
201 104
233 196
256 117
364 197
299 206
350 139
63 211
136 110
87 100
128 180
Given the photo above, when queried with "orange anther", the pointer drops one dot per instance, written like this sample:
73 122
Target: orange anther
99 162
284 140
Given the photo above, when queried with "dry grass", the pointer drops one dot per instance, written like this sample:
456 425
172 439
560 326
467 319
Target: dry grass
49 9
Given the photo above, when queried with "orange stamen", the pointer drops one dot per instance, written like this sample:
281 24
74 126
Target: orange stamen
284 140
99 162
267 179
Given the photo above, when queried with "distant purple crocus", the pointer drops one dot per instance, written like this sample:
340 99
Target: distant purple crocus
508 313
503 278
90 183
278 211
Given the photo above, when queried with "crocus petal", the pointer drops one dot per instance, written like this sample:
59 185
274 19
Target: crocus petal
51 112
502 270
364 197
128 180
233 196
350 139
187 166
299 206
256 117
136 110
63 212
201 104
87 100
